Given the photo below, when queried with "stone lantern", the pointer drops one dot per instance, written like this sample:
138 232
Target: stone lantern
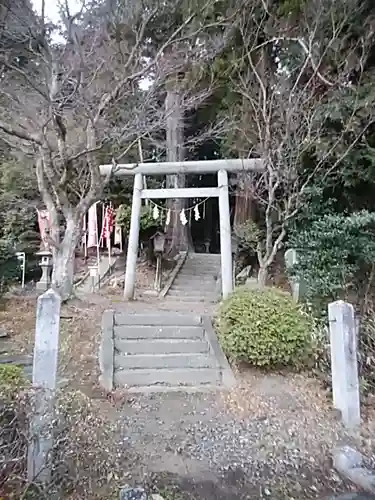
46 266
159 242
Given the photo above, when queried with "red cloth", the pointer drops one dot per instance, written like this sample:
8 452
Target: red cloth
109 222
44 226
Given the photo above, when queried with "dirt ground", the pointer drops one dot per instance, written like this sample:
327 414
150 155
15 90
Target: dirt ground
269 437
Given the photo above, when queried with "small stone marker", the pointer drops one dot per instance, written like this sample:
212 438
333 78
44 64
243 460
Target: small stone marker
343 343
351 465
106 351
44 383
297 285
128 493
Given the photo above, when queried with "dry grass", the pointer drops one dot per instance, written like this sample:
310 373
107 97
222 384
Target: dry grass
17 317
79 337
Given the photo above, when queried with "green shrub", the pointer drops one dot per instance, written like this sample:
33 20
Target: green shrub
248 235
9 267
265 328
11 377
336 253
123 216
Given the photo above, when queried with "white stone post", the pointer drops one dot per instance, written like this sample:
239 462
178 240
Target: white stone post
44 384
344 366
225 235
133 240
291 259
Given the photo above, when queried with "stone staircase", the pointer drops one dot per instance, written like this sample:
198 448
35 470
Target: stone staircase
86 285
161 351
199 279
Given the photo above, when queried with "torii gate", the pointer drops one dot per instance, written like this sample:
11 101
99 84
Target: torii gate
221 167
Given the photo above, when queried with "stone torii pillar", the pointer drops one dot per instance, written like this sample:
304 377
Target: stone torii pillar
225 235
133 240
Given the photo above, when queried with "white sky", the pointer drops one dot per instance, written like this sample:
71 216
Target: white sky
52 10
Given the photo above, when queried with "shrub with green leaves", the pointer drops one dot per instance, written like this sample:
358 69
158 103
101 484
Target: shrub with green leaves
335 255
11 376
248 235
9 267
265 327
123 216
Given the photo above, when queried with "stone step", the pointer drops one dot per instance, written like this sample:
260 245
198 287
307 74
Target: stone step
201 268
164 361
199 273
203 262
197 263
163 318
162 346
168 377
195 284
159 332
189 290
204 257
196 278
192 298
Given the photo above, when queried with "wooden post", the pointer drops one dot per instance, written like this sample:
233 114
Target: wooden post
225 235
44 383
133 240
343 342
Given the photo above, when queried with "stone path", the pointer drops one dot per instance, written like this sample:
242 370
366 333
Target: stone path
271 437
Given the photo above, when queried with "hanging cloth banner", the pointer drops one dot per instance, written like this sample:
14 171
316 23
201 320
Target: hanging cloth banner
108 225
44 226
92 239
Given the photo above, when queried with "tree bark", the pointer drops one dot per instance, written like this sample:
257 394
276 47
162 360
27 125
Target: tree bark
245 207
64 259
262 276
178 235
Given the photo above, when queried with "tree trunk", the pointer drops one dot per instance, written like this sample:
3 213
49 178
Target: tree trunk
64 259
245 207
178 235
262 276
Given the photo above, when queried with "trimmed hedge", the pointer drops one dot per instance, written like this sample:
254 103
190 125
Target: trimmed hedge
264 327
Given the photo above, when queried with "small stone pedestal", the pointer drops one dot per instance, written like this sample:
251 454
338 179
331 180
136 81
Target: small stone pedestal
46 265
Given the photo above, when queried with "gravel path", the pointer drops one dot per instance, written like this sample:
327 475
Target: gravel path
269 438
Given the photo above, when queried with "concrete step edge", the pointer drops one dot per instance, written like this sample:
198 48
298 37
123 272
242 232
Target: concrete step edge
168 332
149 389
168 376
181 298
161 361
187 291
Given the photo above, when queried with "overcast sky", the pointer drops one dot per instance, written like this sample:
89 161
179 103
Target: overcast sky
52 10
